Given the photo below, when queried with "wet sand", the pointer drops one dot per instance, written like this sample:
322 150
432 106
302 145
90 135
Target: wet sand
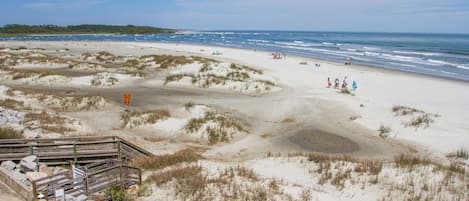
322 141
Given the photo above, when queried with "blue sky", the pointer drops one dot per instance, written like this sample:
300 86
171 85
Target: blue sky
450 16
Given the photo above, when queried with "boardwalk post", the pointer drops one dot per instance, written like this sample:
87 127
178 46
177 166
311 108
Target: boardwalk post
34 191
121 177
87 193
119 156
75 160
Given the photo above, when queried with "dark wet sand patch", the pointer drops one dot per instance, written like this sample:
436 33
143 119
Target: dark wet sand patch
321 141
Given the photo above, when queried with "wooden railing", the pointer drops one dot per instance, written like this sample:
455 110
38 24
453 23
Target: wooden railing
79 150
104 164
93 178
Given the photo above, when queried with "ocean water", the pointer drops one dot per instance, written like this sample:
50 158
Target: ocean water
444 55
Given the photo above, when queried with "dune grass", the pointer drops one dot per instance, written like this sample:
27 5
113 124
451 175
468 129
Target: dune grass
162 161
49 122
8 133
419 119
135 118
218 133
384 131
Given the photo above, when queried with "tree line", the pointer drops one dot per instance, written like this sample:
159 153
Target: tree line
77 29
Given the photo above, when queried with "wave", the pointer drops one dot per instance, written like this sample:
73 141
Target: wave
403 64
258 40
370 48
298 44
462 66
417 53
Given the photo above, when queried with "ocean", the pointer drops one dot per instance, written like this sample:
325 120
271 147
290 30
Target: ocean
443 55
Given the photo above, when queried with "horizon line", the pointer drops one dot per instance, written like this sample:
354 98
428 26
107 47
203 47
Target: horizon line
265 30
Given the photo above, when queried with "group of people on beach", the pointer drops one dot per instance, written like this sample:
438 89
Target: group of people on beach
279 55
344 84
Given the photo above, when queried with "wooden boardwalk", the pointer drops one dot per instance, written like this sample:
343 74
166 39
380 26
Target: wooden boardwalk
93 178
79 150
102 163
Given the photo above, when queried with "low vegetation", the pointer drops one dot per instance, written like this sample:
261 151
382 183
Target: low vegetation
104 80
418 118
423 120
384 131
189 105
76 103
134 119
49 122
220 129
18 29
171 61
410 162
400 110
245 69
233 183
21 74
235 77
13 104
162 161
8 133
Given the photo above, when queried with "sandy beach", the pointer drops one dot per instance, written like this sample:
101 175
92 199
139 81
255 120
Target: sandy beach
285 107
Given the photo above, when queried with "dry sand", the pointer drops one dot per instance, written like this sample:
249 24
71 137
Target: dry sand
304 116
320 116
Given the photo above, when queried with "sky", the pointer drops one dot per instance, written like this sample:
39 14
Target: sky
421 16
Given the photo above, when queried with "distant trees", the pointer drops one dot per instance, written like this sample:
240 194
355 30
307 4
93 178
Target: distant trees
85 28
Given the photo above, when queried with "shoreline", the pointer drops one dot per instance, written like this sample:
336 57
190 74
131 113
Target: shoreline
365 66
359 66
381 68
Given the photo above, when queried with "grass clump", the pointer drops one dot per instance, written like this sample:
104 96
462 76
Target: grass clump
219 131
12 104
49 122
8 133
400 110
118 194
420 118
189 105
384 131
21 74
167 61
133 119
177 77
235 67
423 120
49 73
410 162
189 181
162 161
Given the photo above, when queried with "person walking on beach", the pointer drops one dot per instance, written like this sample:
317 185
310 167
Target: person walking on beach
354 85
329 84
336 82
